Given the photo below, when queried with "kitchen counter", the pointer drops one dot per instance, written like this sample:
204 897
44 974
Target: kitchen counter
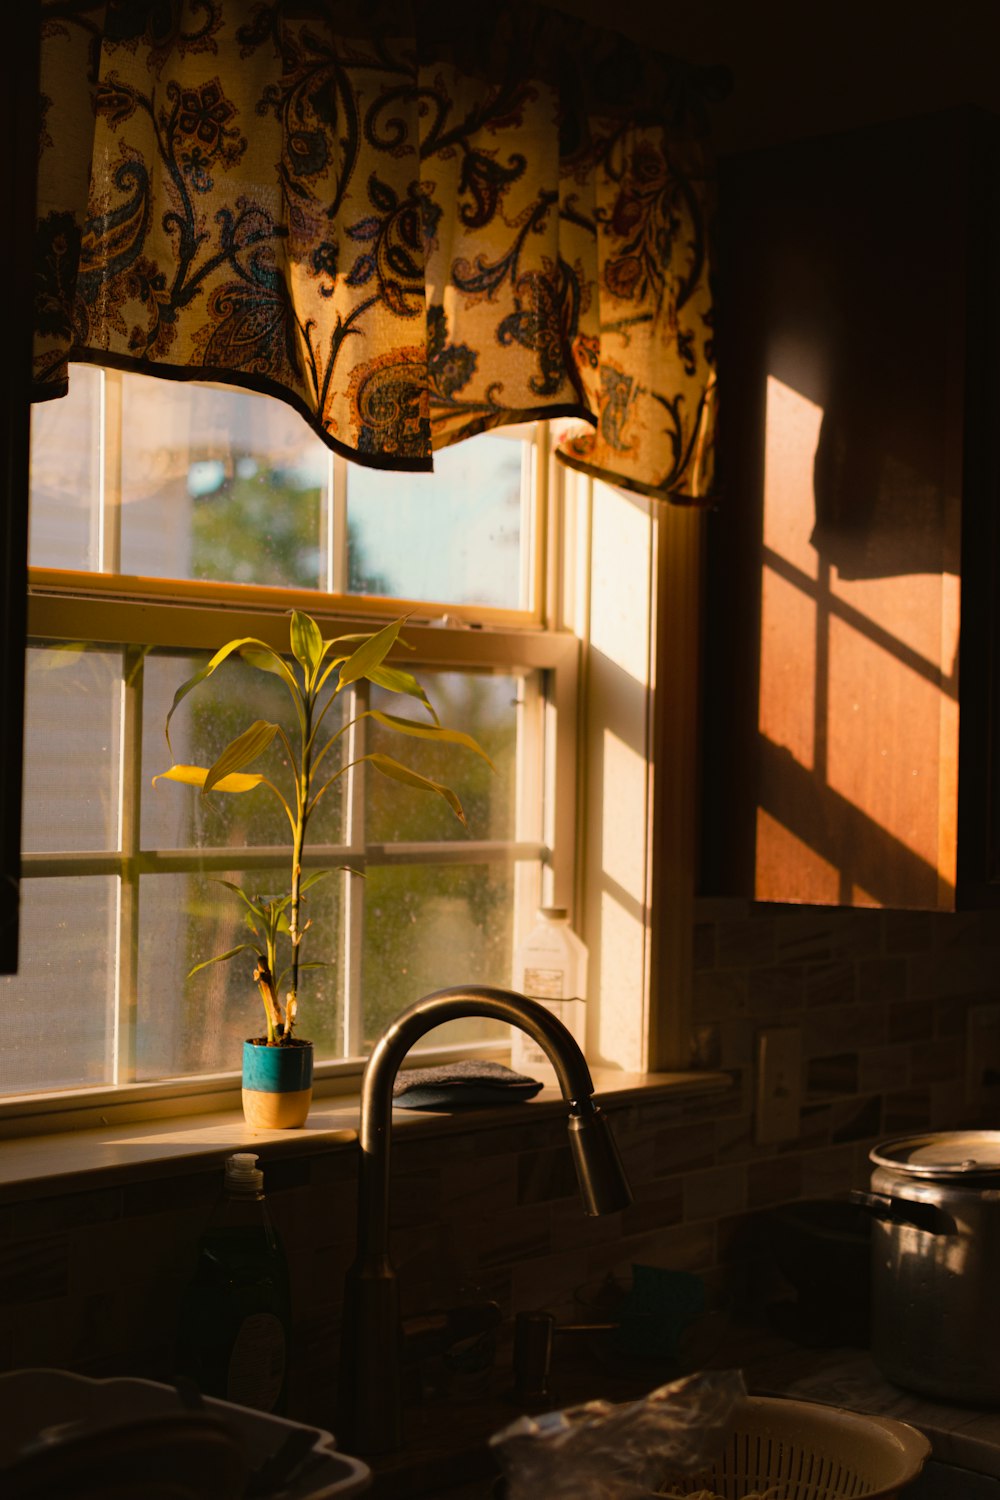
966 1436
447 1455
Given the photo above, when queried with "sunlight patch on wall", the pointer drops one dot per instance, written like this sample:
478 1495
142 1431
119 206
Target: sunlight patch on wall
859 626
623 816
778 852
622 955
792 426
786 714
788 613
622 543
888 765
918 610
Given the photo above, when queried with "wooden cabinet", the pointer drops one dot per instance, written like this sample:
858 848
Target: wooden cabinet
850 686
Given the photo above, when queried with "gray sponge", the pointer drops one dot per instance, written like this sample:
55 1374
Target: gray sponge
461 1085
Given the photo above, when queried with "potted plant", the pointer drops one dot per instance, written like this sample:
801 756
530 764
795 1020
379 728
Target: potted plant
277 1067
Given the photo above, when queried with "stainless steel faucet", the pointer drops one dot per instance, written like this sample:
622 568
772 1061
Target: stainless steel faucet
370 1416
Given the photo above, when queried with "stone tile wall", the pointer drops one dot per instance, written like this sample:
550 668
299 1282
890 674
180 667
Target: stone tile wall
92 1280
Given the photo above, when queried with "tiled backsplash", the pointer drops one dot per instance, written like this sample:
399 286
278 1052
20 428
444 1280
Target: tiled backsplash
91 1280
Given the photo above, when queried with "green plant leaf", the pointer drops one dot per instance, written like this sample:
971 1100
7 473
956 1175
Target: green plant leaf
314 964
308 881
195 776
256 906
221 958
398 680
222 655
427 731
134 660
370 654
241 751
264 661
398 772
64 654
307 642
355 639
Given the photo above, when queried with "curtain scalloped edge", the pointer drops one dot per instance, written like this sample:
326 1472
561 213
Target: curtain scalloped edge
650 491
567 249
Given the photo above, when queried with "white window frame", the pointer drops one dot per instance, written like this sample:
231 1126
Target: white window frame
110 609
641 937
650 1015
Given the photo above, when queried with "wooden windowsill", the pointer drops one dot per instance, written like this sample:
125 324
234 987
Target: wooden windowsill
71 1161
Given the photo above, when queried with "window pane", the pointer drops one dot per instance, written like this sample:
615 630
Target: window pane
71 744
198 1024
56 1015
66 477
486 708
220 484
431 926
457 535
177 816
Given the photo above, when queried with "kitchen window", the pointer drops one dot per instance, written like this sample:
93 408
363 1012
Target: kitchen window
165 519
557 620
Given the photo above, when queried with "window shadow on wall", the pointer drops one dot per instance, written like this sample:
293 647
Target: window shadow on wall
838 652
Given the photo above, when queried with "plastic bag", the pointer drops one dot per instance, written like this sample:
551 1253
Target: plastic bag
604 1451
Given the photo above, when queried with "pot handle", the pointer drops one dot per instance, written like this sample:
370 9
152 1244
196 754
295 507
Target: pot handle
925 1216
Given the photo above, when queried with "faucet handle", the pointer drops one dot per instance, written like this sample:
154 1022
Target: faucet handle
533 1334
534 1337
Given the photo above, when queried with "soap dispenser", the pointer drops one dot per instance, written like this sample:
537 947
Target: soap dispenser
236 1316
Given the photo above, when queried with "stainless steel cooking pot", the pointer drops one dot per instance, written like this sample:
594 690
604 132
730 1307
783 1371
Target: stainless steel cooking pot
936 1263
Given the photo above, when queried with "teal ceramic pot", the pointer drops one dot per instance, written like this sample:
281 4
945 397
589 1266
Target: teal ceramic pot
277 1084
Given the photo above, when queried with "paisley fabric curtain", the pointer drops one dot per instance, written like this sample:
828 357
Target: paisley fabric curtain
412 221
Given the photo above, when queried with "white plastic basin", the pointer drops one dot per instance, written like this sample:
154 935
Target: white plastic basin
35 1403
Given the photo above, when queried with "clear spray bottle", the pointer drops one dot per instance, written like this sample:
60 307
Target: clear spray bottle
550 966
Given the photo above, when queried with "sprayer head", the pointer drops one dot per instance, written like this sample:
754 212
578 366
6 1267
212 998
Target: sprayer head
603 1185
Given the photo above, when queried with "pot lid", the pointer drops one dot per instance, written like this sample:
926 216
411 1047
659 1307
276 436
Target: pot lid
947 1153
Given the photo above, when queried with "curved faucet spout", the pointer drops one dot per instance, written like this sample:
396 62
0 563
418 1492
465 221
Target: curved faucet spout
370 1419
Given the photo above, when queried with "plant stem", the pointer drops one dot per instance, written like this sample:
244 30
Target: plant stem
301 819
264 977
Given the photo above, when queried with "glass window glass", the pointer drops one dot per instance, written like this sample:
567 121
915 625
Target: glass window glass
480 705
71 748
193 481
176 816
221 484
457 535
431 926
65 516
57 1015
197 1023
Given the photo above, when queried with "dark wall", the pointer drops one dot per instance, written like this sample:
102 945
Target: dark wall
807 69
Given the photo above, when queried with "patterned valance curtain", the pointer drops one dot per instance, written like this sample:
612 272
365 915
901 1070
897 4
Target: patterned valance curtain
411 221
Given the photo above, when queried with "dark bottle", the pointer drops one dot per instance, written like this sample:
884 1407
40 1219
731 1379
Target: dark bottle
235 1315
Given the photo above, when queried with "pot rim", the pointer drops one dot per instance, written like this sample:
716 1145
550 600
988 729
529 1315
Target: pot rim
951 1154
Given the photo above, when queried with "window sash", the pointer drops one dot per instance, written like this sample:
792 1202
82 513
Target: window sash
547 658
108 608
107 578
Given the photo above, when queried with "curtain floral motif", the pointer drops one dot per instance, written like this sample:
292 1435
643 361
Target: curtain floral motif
413 222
